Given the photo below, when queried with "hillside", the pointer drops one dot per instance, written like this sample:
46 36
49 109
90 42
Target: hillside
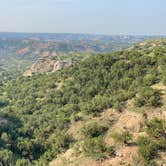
52 63
74 37
49 64
18 51
106 110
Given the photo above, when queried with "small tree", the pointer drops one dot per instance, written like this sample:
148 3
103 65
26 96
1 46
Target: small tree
93 129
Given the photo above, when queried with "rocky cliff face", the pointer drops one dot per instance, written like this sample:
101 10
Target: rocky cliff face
46 65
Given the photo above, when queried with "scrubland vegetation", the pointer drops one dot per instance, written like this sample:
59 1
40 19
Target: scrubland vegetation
39 112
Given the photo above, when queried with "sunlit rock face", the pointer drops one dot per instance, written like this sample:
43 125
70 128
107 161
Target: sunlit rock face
46 65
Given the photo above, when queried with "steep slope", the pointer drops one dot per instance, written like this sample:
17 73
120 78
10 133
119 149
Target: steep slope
45 66
54 63
132 118
107 109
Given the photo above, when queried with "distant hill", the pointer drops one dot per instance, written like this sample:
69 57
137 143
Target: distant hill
109 109
19 51
74 37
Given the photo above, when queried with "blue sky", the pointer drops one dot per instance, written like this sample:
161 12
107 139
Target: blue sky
147 17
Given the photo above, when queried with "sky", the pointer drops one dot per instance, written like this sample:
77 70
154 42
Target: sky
113 17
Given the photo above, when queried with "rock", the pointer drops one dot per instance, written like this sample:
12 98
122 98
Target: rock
43 65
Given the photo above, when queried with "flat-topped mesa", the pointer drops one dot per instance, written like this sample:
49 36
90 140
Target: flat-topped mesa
46 65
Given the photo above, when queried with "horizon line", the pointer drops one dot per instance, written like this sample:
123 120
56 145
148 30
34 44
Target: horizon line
82 33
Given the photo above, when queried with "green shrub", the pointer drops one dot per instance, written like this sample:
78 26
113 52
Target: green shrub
111 151
42 162
118 106
59 141
6 158
155 141
3 102
96 105
147 148
93 129
124 137
96 148
156 128
149 163
148 152
75 118
148 97
23 162
164 80
150 79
